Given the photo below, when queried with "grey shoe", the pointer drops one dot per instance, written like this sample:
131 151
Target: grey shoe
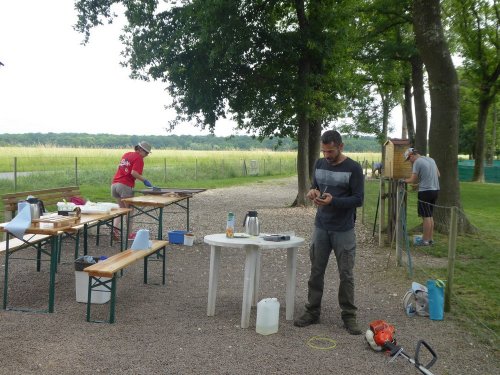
306 320
352 327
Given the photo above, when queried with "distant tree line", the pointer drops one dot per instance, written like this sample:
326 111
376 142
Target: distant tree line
179 142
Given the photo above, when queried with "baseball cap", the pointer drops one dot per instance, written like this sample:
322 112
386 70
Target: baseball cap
145 146
409 152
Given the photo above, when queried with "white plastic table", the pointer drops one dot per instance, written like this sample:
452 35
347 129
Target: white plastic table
252 246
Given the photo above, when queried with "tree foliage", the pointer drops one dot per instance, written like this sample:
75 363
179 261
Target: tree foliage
475 24
280 68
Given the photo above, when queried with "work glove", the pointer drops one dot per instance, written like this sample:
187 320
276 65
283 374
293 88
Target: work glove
147 183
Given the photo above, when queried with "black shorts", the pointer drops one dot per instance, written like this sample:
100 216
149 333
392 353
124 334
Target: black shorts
426 202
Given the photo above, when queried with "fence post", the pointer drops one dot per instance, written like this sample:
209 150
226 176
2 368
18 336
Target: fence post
196 169
164 169
15 173
76 170
452 250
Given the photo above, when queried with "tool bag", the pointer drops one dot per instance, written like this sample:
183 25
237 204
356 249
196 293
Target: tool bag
416 300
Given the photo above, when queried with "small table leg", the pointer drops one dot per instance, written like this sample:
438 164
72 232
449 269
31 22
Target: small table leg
255 297
212 279
291 271
248 284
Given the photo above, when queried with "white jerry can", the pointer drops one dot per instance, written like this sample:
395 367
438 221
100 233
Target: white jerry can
268 314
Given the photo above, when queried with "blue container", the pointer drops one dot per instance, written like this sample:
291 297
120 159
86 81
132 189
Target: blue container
176 236
435 292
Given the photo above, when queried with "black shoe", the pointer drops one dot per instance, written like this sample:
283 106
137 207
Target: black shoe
306 320
352 327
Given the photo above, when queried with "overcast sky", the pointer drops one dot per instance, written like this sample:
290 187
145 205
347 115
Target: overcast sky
51 83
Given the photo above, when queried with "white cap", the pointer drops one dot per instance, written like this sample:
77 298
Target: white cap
409 152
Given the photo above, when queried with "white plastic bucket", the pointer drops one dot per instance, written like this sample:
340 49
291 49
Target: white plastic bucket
268 314
99 294
188 239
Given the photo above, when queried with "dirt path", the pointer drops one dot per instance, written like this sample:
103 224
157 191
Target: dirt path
165 329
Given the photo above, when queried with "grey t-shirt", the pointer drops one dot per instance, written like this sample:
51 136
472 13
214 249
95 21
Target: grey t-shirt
426 170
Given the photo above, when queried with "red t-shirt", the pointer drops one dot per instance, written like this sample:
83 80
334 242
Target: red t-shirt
131 161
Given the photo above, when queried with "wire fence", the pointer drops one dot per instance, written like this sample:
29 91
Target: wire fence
27 173
468 261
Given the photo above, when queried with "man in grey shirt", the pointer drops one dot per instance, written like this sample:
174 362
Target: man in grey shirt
426 173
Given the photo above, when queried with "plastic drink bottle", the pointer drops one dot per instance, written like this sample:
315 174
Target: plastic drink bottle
230 225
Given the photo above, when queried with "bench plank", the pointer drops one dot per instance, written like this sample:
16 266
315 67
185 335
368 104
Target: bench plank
117 262
16 243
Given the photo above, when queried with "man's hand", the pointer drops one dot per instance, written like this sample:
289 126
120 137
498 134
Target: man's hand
313 193
147 183
323 200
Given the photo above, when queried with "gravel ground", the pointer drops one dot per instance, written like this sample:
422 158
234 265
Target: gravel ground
165 329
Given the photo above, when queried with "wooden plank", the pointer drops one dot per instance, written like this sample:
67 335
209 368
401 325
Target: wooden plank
117 262
153 200
16 243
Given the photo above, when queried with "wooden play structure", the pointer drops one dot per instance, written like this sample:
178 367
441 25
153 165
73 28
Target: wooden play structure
394 168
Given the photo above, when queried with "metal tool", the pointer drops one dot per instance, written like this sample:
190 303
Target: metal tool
380 337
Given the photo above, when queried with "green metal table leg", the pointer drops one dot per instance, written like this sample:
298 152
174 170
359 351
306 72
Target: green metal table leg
89 296
6 275
38 257
112 302
85 240
146 260
187 214
160 224
163 265
54 247
98 231
77 243
121 233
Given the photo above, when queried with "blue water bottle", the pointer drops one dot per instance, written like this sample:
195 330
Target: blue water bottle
435 290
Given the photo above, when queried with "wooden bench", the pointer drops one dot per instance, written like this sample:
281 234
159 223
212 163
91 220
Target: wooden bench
47 196
104 274
34 240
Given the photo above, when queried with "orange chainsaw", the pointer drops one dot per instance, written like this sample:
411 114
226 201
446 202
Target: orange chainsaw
380 337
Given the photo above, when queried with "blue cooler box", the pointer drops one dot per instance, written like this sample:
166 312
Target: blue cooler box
176 236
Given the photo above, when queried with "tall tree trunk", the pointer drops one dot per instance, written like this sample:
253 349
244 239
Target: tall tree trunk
417 77
480 149
443 84
303 72
314 144
408 111
404 126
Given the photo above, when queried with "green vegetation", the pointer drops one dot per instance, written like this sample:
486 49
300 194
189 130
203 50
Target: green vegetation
172 142
476 298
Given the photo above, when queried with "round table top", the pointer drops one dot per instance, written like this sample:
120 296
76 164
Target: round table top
220 239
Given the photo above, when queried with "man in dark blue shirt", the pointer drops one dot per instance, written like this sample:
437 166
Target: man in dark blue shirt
337 190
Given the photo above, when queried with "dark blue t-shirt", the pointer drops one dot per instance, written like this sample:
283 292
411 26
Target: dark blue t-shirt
345 182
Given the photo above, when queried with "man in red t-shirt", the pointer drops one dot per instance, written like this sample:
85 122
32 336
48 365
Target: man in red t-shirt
129 170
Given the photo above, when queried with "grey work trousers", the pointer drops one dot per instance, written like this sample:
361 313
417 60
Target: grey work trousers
344 246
